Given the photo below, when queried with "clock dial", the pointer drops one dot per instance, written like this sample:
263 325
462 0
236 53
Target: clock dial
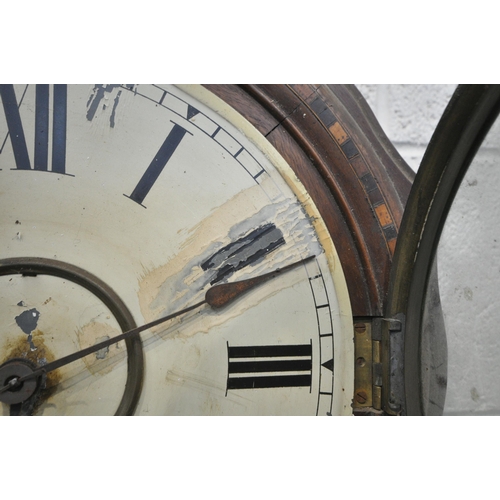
125 203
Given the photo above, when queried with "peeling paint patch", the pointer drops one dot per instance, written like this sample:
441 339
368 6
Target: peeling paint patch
102 353
243 252
95 99
27 321
275 235
221 259
91 334
115 105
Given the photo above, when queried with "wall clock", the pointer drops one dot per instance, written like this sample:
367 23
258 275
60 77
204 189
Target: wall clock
93 245
125 204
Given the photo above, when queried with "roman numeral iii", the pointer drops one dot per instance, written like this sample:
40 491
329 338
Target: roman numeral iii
42 124
260 367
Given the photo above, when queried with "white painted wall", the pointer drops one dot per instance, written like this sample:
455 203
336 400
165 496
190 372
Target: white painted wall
468 255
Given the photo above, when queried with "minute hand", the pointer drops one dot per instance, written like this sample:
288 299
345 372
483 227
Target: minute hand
216 297
220 295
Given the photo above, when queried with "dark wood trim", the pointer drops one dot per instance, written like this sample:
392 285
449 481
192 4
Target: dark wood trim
331 140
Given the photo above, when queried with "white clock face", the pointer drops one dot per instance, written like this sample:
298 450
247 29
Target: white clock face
159 193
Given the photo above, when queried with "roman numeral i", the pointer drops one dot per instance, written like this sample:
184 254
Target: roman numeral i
158 163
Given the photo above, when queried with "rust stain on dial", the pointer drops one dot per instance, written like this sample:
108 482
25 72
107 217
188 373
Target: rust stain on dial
41 356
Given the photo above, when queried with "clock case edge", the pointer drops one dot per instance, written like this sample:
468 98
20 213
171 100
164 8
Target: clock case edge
359 183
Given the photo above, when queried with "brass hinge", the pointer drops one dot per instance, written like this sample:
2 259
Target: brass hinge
368 365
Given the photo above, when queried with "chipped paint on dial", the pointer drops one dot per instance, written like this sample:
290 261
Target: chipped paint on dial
275 236
27 321
223 207
94 332
68 318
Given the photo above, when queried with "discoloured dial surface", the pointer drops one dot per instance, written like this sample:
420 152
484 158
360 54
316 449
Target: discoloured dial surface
165 192
58 332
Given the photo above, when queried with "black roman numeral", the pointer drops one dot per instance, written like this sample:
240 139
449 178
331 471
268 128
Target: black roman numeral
158 163
59 119
260 367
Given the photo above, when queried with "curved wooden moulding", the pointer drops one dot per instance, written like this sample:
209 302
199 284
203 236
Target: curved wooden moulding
332 141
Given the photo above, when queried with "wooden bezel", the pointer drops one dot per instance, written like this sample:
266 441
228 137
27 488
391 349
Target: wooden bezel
359 183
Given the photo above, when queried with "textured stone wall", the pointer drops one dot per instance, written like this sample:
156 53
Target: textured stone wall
468 254
408 114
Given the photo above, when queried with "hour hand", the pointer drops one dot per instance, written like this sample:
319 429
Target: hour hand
220 295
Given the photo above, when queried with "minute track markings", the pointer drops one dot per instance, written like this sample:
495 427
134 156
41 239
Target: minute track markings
325 333
209 127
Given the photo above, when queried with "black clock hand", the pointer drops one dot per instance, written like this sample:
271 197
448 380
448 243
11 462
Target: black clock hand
218 296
